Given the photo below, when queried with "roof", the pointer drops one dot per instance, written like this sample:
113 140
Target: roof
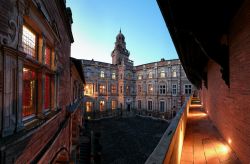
199 30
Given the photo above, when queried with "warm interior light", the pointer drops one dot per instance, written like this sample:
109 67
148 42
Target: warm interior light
151 89
25 69
229 141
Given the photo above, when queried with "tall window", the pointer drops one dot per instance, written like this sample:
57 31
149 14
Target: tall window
188 89
102 105
29 92
139 104
29 42
88 89
102 89
47 93
162 106
150 75
162 75
162 89
113 89
139 88
150 89
127 90
102 74
113 75
113 104
89 106
120 89
150 105
47 57
174 89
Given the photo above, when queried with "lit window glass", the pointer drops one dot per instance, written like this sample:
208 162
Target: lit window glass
47 92
29 42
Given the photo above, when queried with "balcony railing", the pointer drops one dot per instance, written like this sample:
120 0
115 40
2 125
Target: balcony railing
169 148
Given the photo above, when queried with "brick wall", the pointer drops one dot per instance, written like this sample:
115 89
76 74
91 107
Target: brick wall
229 108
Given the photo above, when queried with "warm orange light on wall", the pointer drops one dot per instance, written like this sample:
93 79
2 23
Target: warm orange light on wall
229 141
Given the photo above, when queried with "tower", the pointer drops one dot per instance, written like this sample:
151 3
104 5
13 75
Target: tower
120 54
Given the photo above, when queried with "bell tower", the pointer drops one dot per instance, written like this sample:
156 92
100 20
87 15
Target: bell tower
120 54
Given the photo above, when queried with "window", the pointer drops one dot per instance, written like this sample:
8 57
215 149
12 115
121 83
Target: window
47 57
162 75
174 74
150 88
113 104
127 90
113 89
139 104
162 89
102 105
29 42
120 89
113 75
150 75
139 88
102 74
188 89
150 105
88 89
139 77
29 92
102 89
47 94
174 89
162 106
89 106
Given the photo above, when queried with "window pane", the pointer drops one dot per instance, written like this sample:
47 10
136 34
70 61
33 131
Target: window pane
29 92
47 56
29 42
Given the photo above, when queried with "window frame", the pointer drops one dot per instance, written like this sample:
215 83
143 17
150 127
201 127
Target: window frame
32 31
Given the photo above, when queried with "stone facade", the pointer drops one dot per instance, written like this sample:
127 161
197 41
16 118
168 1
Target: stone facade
155 87
36 113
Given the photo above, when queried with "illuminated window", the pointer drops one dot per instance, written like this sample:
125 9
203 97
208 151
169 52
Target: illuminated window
150 75
102 74
139 77
29 92
113 104
188 89
174 73
47 93
102 105
89 106
162 75
47 56
113 89
127 90
88 90
120 89
29 42
102 89
113 75
150 105
150 88
162 89
139 104
174 89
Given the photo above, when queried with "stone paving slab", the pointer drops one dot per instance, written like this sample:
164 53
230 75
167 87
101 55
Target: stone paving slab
203 143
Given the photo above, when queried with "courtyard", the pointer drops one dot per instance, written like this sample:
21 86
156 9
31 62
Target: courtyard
128 140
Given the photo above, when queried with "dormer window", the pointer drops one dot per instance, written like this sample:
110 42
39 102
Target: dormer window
162 74
139 77
113 75
29 42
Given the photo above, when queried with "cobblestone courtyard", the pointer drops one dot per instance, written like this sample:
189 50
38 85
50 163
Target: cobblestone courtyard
128 140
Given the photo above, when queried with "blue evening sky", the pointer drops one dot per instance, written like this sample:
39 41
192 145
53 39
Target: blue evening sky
97 22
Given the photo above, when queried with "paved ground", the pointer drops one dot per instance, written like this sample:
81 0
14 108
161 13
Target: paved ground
203 143
128 140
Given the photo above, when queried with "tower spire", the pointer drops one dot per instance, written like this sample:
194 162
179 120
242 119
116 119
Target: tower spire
120 30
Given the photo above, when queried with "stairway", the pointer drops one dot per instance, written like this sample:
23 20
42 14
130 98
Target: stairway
195 102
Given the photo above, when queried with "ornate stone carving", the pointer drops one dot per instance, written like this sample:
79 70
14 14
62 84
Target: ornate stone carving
11 38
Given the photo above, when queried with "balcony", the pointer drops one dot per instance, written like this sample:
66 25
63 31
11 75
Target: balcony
192 138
